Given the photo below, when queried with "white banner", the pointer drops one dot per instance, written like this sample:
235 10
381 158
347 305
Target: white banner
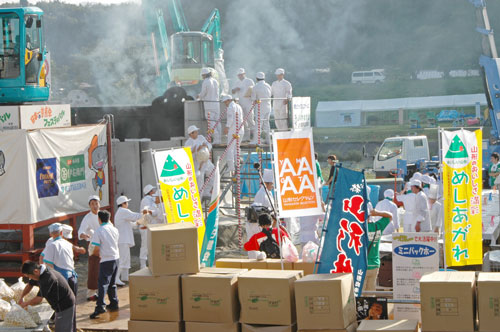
301 112
413 255
51 173
45 116
295 173
9 117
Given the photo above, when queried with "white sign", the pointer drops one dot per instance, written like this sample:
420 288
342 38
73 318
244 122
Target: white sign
45 116
413 255
301 112
9 117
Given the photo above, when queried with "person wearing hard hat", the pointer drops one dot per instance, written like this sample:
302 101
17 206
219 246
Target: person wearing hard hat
234 129
261 96
387 205
282 94
243 91
210 96
201 149
89 225
125 221
148 203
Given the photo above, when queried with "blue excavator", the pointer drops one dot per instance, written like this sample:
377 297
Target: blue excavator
23 56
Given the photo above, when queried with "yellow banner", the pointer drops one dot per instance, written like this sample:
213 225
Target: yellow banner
179 190
462 180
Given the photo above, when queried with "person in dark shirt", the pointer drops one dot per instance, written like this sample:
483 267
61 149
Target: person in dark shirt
55 289
332 160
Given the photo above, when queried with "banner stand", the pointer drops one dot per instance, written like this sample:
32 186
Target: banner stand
440 153
274 196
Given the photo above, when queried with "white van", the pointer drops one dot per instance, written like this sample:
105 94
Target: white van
368 77
409 148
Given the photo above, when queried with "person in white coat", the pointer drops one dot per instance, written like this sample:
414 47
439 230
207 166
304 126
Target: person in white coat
148 203
234 122
282 94
387 205
125 221
243 91
261 95
408 199
437 212
422 211
210 96
200 147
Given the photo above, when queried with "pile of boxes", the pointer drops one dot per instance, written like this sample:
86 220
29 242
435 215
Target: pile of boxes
458 302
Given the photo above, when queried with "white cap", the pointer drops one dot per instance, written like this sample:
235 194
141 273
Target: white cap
93 197
260 76
416 183
147 189
416 176
55 227
268 175
426 179
279 71
241 71
67 231
389 193
433 191
192 128
122 199
226 98
205 71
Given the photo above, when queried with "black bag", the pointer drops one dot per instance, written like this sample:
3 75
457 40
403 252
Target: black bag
253 212
269 245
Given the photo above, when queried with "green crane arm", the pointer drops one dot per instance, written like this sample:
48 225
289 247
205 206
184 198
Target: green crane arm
212 27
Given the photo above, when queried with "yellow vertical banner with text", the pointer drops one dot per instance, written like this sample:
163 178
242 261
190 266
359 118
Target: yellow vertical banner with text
179 190
462 187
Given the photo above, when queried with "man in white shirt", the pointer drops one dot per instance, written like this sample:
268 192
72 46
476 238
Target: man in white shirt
282 94
148 202
87 228
234 122
387 205
105 241
210 96
243 91
200 149
437 213
420 208
261 96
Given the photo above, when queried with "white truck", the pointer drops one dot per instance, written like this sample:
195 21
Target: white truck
409 148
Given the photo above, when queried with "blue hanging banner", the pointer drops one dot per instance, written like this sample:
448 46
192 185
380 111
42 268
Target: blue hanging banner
207 255
345 236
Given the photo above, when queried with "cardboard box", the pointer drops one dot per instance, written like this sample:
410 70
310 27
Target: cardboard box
142 326
308 268
155 298
325 301
448 301
210 298
267 328
488 301
404 325
275 264
267 297
228 262
173 249
218 270
351 328
254 264
211 327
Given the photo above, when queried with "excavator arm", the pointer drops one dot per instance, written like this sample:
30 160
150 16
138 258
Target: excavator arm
212 27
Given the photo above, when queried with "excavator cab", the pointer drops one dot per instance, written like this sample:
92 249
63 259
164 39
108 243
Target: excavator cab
191 51
23 66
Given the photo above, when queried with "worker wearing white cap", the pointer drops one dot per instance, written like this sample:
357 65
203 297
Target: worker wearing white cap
282 94
89 225
199 147
210 95
419 219
407 197
234 119
125 221
387 205
147 203
243 91
426 183
261 95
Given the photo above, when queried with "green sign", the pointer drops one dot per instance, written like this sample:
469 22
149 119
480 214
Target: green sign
72 168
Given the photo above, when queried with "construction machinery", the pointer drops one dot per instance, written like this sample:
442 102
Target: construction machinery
23 56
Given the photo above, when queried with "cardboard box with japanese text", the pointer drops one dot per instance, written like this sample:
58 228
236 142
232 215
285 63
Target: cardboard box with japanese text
488 301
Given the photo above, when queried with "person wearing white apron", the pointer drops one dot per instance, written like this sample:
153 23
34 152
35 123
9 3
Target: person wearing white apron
282 91
408 201
200 149
243 91
387 205
234 119
147 203
261 95
421 211
210 96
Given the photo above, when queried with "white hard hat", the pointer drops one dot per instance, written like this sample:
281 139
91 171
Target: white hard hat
426 179
268 175
389 193
192 128
67 231
147 189
93 197
122 199
260 76
241 71
416 183
203 154
226 98
55 227
279 71
205 71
